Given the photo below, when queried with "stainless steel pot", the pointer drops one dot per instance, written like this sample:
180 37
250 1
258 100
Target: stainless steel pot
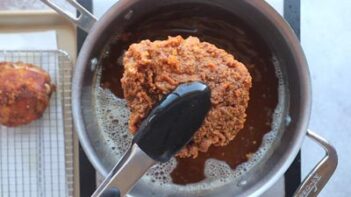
283 42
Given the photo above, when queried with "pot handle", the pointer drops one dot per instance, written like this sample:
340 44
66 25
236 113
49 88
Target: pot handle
85 20
321 173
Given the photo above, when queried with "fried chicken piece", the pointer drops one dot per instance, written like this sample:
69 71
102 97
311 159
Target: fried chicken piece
153 69
25 91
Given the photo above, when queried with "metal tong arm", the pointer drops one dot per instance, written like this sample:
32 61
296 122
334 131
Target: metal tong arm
320 175
126 172
84 20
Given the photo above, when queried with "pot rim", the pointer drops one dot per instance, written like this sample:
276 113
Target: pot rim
294 46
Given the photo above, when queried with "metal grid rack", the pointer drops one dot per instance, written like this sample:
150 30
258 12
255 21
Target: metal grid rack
37 159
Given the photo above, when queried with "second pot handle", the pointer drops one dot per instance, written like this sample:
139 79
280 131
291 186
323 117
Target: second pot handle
85 19
321 173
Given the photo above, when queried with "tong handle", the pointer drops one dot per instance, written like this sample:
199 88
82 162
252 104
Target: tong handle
125 173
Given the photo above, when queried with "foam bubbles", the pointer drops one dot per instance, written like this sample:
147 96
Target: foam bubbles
161 173
113 115
216 169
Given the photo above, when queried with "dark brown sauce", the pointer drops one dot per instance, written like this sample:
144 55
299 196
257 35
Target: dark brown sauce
237 39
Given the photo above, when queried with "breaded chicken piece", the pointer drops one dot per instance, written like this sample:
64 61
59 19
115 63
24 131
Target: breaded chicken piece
25 91
153 69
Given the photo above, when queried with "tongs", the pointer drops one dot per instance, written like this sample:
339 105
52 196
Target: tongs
166 130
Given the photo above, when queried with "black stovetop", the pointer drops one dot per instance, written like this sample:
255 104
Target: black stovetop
292 175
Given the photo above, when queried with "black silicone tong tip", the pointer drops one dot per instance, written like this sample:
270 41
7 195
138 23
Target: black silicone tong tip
171 124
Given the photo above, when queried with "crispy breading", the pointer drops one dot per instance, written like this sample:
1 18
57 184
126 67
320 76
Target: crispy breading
25 91
153 69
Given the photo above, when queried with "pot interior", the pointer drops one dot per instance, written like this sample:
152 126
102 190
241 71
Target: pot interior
241 30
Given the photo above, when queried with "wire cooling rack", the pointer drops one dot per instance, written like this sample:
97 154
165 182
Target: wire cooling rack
37 159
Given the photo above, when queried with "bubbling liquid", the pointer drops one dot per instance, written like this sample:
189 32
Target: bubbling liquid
113 115
219 165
